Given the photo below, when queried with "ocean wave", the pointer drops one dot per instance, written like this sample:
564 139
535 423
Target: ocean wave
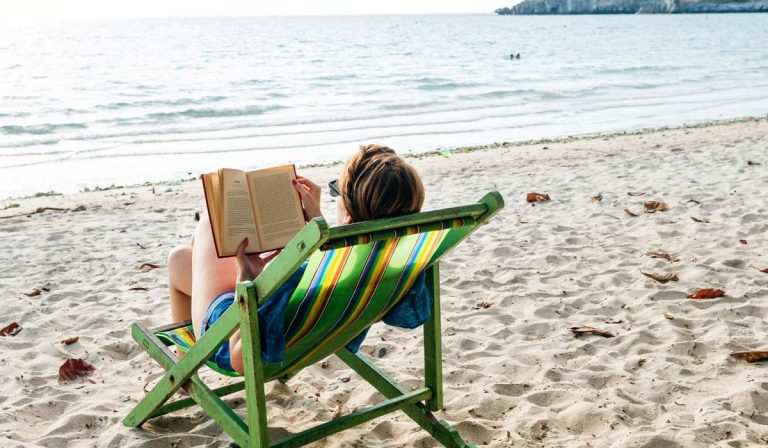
39 129
330 135
24 144
215 113
15 114
361 118
279 147
406 106
151 103
337 77
423 80
499 94
179 135
447 85
637 69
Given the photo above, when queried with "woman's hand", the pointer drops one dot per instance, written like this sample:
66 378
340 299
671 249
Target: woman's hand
310 196
250 266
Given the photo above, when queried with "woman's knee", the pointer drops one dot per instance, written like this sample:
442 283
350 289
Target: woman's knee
180 268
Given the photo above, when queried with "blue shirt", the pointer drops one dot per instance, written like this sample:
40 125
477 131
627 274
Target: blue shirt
412 310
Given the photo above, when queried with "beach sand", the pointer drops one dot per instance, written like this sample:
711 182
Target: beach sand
514 374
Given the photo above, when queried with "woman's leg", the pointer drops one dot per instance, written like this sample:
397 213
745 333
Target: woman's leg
180 282
210 275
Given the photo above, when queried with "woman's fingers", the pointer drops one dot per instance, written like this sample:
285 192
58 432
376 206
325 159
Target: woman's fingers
310 197
308 183
240 252
301 189
271 256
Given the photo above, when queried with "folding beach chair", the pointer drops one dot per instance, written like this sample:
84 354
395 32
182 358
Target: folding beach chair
355 274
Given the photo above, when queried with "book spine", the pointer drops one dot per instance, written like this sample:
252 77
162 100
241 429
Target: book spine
210 217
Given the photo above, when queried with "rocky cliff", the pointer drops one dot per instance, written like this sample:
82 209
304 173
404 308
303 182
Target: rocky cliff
528 7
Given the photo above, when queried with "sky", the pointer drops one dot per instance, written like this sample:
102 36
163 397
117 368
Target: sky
44 10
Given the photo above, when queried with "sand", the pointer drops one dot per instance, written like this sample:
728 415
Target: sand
514 373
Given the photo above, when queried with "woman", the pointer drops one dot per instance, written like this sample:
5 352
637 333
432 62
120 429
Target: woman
375 183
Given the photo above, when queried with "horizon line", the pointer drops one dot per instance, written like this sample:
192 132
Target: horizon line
25 19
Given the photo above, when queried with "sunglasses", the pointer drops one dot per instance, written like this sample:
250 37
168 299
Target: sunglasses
334 187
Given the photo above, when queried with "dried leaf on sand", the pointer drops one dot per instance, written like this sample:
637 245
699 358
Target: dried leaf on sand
751 356
707 293
36 292
70 341
662 278
483 304
629 212
73 369
579 331
655 206
11 329
148 267
537 197
743 241
37 210
695 219
664 255
636 193
598 197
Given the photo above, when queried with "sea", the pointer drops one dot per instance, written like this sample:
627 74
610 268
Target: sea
93 103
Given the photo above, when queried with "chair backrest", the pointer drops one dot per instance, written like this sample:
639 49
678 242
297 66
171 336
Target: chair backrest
357 273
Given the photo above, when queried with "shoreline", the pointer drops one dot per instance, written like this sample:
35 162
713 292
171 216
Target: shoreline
418 155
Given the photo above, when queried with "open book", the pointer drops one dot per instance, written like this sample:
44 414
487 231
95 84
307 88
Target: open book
262 205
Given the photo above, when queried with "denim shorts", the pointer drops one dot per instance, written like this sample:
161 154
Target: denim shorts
215 309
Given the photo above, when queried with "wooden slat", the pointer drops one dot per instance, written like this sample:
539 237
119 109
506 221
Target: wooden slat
187 402
254 381
350 420
169 327
388 234
441 431
314 234
359 228
433 350
212 404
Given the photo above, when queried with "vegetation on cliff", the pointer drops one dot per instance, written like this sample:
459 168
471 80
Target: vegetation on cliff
531 7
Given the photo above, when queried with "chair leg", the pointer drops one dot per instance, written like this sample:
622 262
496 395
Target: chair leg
440 430
177 373
206 398
255 398
433 356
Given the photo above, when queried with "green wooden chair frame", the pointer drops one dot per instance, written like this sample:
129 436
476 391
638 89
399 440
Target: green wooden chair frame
417 404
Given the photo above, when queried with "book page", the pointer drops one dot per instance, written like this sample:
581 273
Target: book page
279 215
237 221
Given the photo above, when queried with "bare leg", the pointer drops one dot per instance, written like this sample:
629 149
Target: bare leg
210 275
180 282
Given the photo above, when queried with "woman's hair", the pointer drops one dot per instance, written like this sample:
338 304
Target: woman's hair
377 183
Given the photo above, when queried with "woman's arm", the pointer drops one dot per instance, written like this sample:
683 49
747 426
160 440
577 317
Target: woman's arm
248 268
236 353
